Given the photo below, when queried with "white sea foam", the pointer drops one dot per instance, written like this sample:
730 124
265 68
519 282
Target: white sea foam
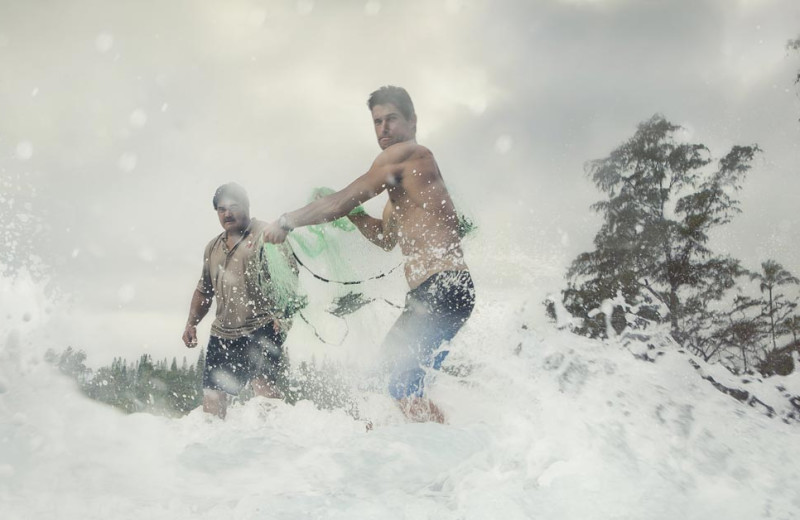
542 424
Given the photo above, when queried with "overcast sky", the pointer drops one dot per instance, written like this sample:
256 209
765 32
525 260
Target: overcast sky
118 120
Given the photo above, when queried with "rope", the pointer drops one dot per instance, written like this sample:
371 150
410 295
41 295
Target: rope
351 282
314 329
314 252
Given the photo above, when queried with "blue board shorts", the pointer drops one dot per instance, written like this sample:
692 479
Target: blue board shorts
232 363
434 312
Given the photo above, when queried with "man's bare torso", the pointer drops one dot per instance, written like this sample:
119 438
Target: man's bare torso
421 215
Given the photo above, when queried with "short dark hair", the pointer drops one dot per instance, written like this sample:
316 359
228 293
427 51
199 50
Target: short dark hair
394 95
233 191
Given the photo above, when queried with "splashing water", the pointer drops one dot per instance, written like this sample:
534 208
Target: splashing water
541 424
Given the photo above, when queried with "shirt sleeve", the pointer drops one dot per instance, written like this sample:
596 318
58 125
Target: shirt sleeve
204 285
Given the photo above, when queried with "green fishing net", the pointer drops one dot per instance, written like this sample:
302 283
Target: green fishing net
278 278
319 242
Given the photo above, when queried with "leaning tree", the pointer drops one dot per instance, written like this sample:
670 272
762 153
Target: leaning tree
664 197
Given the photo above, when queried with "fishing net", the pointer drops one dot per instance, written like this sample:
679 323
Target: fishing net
322 246
278 278
321 243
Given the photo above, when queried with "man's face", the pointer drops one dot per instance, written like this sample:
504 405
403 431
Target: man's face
233 215
391 126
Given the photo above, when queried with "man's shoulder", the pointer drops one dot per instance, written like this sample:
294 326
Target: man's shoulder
404 151
214 241
257 226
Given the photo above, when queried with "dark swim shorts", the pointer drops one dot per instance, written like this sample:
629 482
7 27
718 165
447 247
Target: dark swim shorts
434 312
232 363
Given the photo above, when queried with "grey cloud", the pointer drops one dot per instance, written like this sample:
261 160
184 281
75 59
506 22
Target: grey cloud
136 111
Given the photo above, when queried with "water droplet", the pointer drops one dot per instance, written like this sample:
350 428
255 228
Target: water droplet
257 17
454 6
138 118
305 7
104 42
503 144
478 105
126 293
24 150
148 254
127 162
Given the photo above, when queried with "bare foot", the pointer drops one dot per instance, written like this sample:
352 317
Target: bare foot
215 402
421 409
265 388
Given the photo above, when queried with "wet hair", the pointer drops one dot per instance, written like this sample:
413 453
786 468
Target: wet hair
394 95
232 191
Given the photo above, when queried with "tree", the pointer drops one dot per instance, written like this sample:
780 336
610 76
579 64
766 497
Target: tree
738 336
160 387
71 362
665 197
791 325
794 45
776 308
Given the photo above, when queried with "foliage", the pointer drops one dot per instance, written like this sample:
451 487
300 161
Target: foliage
791 325
326 386
776 308
166 388
652 264
145 386
737 338
664 199
794 45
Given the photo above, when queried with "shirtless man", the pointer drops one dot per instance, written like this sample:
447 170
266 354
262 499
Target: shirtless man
420 217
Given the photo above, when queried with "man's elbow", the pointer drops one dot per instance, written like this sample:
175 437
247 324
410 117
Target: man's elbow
335 207
203 298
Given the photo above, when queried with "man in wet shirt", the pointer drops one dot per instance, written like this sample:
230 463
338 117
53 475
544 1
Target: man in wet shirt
250 326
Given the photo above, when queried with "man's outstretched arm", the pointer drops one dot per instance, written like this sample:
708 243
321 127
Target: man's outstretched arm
339 204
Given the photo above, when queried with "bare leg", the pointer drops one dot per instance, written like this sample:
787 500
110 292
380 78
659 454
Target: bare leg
265 388
421 409
215 402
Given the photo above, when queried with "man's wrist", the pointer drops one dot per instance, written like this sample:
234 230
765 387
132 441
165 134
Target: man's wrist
283 222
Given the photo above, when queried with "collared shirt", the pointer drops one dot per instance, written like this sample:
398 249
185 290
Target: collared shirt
231 275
